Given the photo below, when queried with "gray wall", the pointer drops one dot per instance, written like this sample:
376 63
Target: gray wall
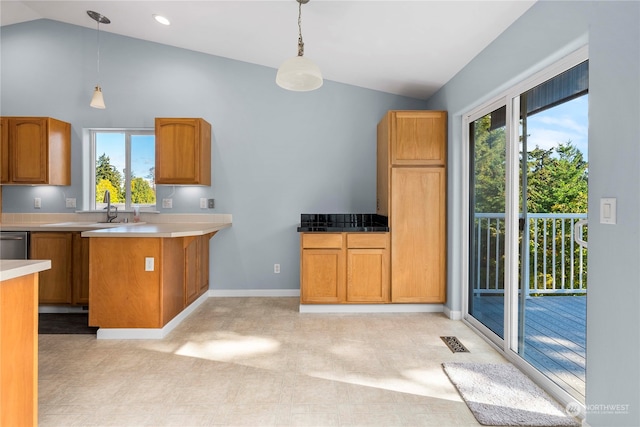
548 31
275 154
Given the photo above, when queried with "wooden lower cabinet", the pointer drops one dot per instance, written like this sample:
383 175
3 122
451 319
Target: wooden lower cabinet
191 273
55 284
203 263
323 278
341 268
80 270
124 294
67 282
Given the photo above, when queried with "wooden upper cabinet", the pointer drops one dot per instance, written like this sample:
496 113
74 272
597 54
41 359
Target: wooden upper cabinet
183 151
4 150
36 150
416 138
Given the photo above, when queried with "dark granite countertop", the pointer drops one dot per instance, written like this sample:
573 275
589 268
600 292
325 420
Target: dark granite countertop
337 223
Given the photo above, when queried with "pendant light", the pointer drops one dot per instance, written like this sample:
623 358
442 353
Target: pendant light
299 73
97 101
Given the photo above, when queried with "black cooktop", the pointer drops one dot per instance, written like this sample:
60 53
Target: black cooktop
343 222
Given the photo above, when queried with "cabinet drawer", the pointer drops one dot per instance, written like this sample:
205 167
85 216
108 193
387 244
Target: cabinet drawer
322 240
367 240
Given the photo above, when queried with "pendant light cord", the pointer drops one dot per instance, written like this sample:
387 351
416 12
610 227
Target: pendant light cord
98 37
300 42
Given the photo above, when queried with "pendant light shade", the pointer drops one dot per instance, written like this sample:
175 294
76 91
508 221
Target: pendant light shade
97 100
299 74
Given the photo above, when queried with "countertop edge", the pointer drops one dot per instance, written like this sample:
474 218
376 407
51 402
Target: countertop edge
13 268
159 230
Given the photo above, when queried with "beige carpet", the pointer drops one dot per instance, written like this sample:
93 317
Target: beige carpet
501 395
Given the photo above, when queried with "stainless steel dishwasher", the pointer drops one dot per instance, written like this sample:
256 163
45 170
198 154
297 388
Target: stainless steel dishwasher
14 244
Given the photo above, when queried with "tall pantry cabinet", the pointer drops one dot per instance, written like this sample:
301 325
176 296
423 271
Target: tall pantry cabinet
411 192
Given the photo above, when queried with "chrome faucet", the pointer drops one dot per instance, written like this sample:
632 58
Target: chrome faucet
112 211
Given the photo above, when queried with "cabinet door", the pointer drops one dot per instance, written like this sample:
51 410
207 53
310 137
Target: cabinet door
4 150
80 269
418 137
55 284
28 150
418 234
203 263
191 273
323 276
183 151
367 275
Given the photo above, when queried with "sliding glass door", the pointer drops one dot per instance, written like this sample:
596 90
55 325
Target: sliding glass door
486 302
528 187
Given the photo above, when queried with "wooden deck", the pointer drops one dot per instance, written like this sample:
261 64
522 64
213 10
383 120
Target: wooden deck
555 335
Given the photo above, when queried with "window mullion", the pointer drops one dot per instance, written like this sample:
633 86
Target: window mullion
127 175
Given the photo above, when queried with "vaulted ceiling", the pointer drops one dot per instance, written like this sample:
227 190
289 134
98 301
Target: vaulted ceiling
409 48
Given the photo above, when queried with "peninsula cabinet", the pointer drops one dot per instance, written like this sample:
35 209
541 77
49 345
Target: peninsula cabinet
339 268
145 282
411 192
67 282
183 151
196 267
35 151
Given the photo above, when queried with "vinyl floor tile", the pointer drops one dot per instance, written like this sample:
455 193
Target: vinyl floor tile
259 362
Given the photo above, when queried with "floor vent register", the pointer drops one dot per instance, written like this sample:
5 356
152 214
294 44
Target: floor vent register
454 345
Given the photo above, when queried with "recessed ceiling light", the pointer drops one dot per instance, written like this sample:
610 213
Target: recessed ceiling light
161 19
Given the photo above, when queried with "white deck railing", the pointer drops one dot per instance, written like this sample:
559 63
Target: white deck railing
556 264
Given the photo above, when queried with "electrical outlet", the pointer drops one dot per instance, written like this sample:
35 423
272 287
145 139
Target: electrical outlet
203 203
167 203
211 204
37 203
276 268
148 263
70 202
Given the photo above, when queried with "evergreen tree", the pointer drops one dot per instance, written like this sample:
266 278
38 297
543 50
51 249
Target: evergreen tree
106 171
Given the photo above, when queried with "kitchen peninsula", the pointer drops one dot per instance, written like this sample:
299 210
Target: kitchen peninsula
145 279
141 278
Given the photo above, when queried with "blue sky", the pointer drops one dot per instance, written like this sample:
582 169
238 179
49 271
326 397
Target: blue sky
567 121
142 151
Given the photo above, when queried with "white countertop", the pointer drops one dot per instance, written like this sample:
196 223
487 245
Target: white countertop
12 268
166 225
65 226
159 230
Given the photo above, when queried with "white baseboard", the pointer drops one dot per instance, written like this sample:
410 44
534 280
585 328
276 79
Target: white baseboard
371 308
452 314
226 293
149 333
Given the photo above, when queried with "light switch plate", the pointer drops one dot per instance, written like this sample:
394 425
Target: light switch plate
608 210
71 202
167 203
148 263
